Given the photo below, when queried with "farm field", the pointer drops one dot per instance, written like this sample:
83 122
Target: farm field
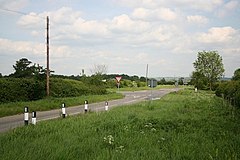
181 125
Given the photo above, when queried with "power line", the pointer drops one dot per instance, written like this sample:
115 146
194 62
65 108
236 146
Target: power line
18 12
9 10
22 13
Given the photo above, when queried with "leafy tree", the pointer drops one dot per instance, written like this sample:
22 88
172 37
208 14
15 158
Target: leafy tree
142 79
199 80
180 80
24 69
209 64
236 75
162 81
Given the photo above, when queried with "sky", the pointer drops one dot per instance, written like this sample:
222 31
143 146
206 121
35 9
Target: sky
124 35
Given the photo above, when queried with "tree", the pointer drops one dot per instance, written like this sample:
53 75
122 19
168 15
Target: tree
162 81
209 64
24 69
142 79
180 80
198 80
99 69
236 75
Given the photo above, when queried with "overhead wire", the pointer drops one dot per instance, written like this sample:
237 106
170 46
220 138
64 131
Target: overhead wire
18 12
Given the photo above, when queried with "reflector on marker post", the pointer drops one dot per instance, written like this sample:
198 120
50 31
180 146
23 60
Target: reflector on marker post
34 118
86 106
26 115
106 105
63 110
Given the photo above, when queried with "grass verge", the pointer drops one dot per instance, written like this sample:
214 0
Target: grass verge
7 109
182 125
144 88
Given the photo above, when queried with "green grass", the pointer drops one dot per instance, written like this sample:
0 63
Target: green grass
7 109
182 125
143 88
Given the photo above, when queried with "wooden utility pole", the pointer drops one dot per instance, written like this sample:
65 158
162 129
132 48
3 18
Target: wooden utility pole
147 75
48 71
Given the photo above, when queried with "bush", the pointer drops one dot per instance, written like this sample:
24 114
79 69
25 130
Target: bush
20 89
28 89
73 88
229 91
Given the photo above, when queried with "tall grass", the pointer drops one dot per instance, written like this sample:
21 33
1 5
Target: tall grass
13 108
182 125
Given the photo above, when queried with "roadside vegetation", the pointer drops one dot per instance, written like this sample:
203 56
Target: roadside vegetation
27 87
182 125
230 90
13 108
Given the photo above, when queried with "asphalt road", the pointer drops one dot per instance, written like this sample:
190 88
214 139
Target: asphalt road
10 122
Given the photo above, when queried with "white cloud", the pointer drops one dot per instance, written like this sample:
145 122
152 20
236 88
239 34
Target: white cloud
93 27
13 4
231 5
124 23
71 27
19 47
157 14
58 17
141 13
217 35
121 28
137 3
31 21
204 5
32 48
227 8
197 19
64 15
207 5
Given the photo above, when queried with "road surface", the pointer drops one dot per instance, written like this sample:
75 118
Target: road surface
10 122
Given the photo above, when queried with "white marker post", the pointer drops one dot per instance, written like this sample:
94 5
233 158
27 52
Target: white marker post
85 106
106 106
34 118
26 115
196 90
63 110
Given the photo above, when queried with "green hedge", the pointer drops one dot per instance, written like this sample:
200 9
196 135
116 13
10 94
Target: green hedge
230 91
24 89
20 89
72 88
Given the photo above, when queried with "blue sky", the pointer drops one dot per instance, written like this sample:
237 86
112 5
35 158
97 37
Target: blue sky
121 34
